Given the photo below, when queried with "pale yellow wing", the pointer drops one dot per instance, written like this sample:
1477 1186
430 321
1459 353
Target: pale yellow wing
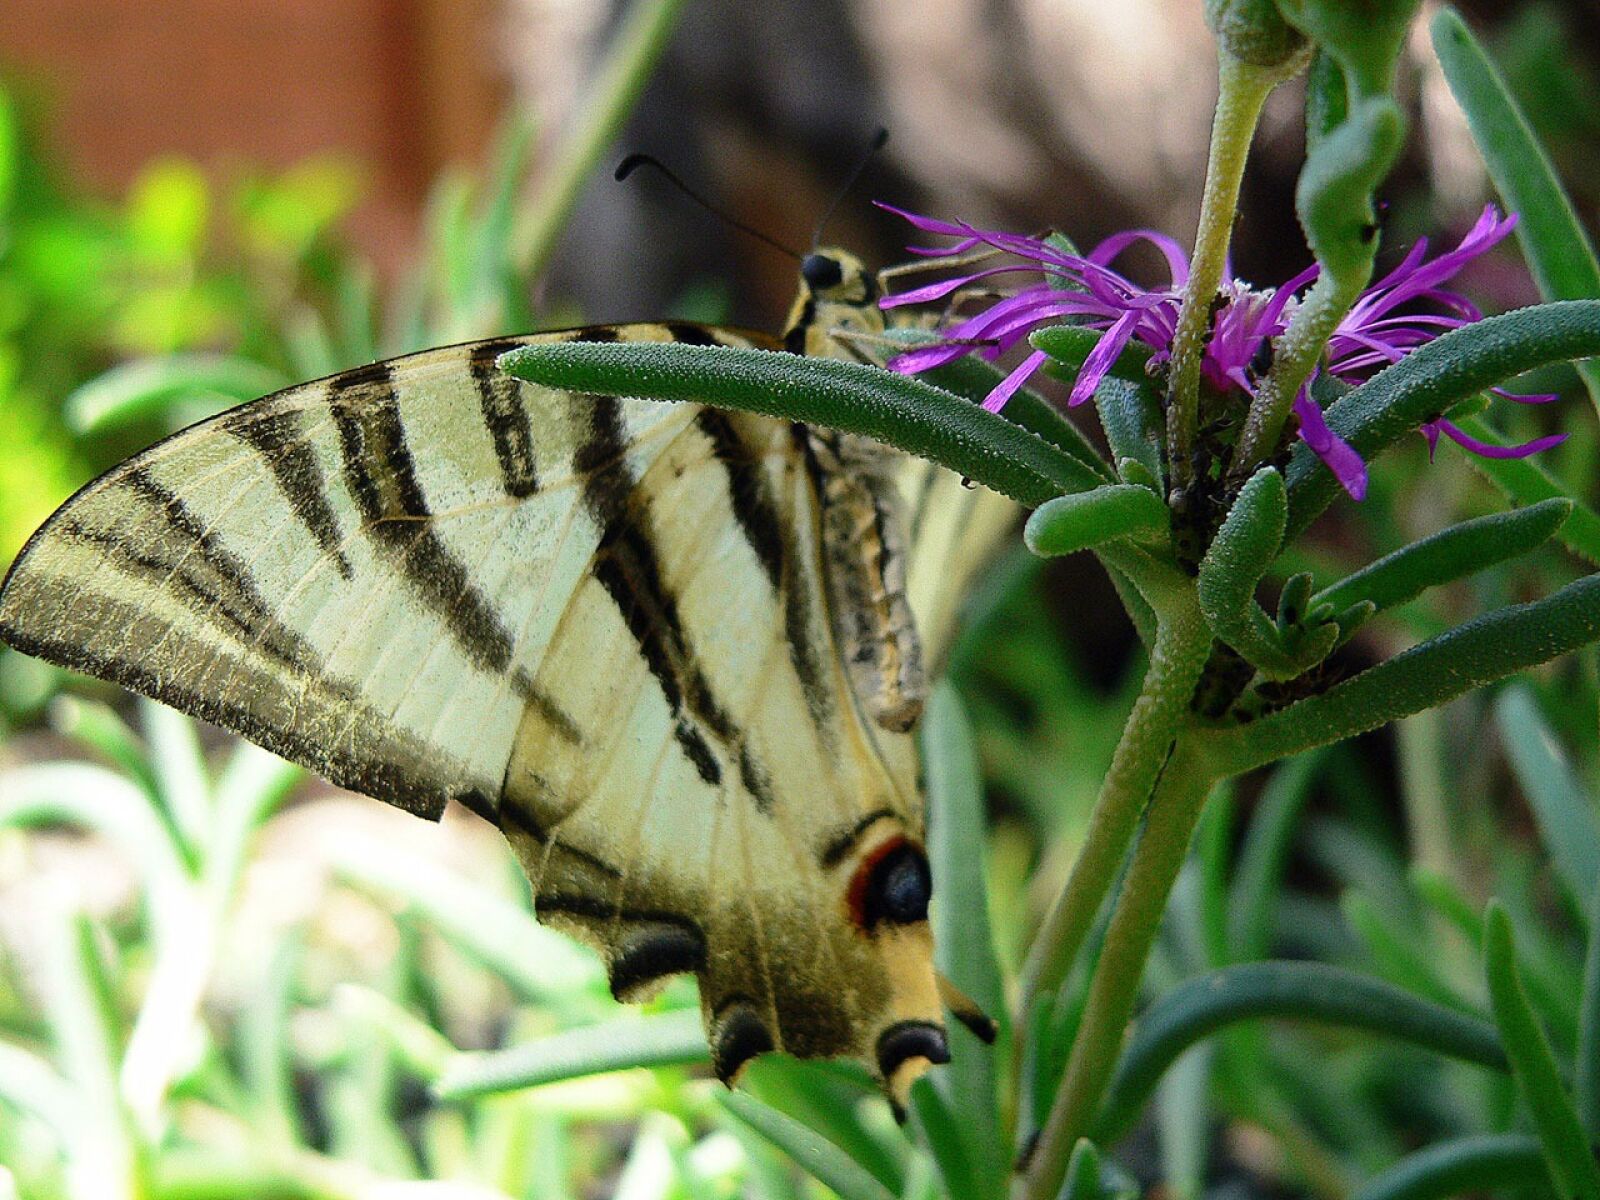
954 530
600 622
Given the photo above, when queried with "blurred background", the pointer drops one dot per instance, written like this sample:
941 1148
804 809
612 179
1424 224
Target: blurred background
201 201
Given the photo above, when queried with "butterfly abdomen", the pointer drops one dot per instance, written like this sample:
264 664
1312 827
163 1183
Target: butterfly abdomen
864 544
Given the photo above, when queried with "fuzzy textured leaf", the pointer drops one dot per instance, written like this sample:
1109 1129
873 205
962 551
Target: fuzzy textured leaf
903 412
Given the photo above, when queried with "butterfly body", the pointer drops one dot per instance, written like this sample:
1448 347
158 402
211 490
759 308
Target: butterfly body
669 650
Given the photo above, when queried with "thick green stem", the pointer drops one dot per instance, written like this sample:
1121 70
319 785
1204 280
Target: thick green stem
1173 813
1294 354
1244 88
1182 643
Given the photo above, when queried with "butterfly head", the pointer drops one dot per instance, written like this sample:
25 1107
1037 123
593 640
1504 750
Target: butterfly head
837 292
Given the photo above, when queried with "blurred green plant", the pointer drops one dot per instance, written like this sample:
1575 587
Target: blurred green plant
1320 915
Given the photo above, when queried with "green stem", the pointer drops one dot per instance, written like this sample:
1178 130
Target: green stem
1173 814
1295 352
1243 89
621 77
1176 659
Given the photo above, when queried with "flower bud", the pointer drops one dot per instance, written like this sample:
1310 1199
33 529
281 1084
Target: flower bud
1253 32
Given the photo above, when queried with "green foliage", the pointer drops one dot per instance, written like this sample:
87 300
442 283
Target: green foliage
431 1034
904 412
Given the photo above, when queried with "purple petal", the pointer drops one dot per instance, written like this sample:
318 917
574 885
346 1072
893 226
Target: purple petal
938 291
1431 432
1336 453
1007 387
1177 260
1489 450
1099 360
1534 398
928 224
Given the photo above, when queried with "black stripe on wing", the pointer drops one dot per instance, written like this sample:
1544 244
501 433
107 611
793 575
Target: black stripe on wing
279 438
505 415
627 567
382 477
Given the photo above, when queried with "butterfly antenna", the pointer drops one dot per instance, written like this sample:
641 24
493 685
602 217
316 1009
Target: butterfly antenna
634 161
879 139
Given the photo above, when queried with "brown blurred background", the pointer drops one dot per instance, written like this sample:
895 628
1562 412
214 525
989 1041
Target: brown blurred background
1081 113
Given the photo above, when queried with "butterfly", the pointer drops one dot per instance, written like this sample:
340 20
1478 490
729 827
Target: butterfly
674 653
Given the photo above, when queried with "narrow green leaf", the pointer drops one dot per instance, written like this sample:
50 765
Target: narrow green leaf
1085 520
265 1066
1433 379
905 413
973 379
1553 239
1213 851
838 1102
1470 1165
85 1033
660 1040
508 175
99 727
1184 1117
1069 347
1569 824
1131 418
963 944
108 804
418 1046
825 1161
251 786
1083 1173
950 1146
180 770
1525 481
1490 647
1304 991
1244 547
146 388
1567 1152
1548 986
1239 556
537 962
1586 1075
1448 555
1393 952
1253 894
1327 97
1135 605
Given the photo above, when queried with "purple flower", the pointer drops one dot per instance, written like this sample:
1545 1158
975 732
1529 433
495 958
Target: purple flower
1394 316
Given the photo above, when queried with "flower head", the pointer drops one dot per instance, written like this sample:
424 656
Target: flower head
1405 309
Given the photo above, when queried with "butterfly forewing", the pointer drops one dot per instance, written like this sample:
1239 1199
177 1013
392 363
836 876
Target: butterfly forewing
297 571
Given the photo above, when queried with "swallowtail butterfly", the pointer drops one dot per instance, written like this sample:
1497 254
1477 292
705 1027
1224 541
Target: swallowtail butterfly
675 653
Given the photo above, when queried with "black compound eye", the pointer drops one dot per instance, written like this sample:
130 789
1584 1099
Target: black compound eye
821 272
897 888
